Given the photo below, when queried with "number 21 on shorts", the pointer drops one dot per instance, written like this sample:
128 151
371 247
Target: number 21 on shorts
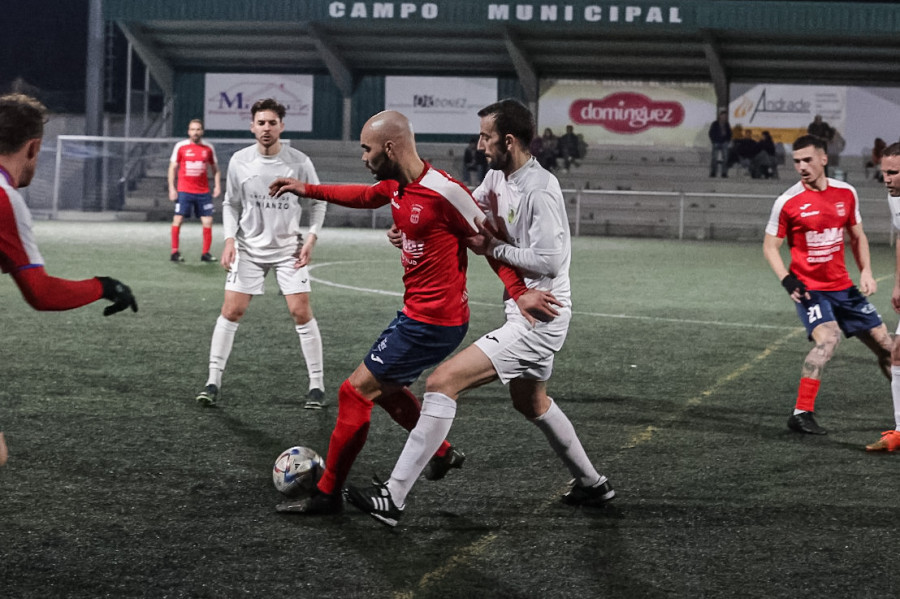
813 313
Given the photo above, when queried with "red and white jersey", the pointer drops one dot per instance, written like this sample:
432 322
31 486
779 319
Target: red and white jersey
435 214
814 223
18 248
192 160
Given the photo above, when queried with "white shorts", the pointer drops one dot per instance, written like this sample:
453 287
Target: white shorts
247 276
518 350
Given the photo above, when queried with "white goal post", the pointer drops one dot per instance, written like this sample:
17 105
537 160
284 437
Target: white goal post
103 173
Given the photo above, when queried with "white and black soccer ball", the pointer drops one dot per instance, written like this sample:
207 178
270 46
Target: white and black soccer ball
297 470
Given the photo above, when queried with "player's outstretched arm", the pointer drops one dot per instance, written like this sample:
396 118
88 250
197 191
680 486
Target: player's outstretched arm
45 293
4 454
283 185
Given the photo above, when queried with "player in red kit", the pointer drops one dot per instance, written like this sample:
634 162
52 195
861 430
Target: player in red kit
435 215
813 216
21 132
192 159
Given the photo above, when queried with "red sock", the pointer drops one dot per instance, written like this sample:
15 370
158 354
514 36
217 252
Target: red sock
404 408
806 395
347 439
207 239
175 232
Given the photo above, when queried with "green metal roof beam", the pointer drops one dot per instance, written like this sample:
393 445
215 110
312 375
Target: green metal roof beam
521 63
334 62
160 69
716 68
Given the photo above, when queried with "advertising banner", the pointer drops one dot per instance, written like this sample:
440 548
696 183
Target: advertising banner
786 111
229 96
440 104
629 112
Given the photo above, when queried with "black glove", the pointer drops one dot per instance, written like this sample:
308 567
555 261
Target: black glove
119 294
792 284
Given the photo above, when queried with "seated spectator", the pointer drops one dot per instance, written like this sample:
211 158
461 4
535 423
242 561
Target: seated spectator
537 147
764 164
743 149
549 150
820 128
875 160
474 164
569 148
835 146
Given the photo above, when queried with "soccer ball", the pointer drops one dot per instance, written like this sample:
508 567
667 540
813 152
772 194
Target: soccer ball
297 470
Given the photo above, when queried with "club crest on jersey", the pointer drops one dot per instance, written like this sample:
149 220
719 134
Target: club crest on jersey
414 215
510 216
841 209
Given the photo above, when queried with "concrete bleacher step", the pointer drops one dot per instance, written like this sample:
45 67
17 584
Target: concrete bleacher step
737 209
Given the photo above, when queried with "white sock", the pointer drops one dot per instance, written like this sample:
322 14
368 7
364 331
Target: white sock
895 394
434 423
311 346
220 349
562 437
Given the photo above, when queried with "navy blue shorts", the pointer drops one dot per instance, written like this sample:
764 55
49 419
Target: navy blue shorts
408 347
849 308
200 204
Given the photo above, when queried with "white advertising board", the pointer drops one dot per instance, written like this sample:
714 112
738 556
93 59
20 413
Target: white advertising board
229 96
440 104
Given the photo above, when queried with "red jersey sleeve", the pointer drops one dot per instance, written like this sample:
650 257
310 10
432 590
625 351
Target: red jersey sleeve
354 196
513 282
46 293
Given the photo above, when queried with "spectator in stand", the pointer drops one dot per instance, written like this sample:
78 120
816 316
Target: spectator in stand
820 128
875 160
549 150
823 130
764 164
744 149
569 148
720 137
474 164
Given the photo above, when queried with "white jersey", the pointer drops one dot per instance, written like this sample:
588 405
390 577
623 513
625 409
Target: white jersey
265 229
529 210
894 203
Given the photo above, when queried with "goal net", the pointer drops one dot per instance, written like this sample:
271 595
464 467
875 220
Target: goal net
97 174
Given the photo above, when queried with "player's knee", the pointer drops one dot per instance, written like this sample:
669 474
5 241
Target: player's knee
233 313
440 381
302 316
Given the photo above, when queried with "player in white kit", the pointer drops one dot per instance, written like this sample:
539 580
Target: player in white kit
890 169
526 211
263 233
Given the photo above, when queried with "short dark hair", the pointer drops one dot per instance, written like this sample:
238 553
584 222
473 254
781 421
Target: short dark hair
511 117
22 119
268 104
891 150
804 141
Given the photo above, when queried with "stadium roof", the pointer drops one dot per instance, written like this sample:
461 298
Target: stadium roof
722 41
